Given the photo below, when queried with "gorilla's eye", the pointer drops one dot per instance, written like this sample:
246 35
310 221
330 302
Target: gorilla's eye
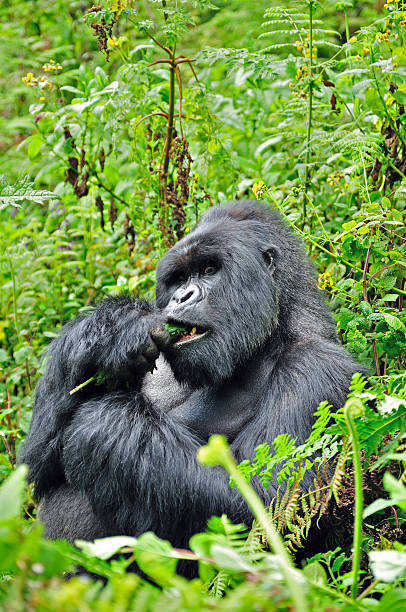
176 278
209 270
181 277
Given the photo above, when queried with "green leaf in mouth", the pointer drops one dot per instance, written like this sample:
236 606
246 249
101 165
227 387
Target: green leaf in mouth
175 330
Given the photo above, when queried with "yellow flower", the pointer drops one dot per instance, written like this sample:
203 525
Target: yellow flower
51 66
44 83
30 80
257 188
42 99
113 42
353 39
324 281
381 36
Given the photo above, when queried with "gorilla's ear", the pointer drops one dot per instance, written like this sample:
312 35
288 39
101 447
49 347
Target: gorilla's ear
270 255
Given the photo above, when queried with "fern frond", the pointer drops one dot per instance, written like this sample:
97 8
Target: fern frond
283 11
339 473
296 32
305 20
11 195
326 43
218 585
277 46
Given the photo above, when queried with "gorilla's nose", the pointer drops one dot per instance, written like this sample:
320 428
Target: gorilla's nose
185 296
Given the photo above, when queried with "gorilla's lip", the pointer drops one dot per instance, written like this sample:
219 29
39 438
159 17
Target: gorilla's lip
192 337
192 332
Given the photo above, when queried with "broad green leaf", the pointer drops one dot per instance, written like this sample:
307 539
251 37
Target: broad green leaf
104 548
34 146
394 322
387 565
155 557
12 493
229 559
315 572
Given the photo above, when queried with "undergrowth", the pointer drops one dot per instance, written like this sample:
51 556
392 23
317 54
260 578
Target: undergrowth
120 124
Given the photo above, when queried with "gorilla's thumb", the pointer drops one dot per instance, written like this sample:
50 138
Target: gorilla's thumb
161 337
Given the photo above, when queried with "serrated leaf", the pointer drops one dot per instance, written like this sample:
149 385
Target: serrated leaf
388 282
394 322
21 190
374 426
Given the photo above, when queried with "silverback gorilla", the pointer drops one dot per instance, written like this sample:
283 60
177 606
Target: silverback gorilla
258 355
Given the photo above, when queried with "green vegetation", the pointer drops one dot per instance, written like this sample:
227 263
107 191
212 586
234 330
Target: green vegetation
120 124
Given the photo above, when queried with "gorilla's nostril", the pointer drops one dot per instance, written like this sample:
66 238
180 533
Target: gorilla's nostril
186 297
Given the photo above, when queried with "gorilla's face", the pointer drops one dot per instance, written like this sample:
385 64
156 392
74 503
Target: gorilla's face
218 283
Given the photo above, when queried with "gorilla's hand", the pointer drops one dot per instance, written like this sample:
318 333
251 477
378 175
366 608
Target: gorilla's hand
135 338
119 342
141 359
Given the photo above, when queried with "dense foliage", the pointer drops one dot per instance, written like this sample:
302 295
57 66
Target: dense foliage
120 123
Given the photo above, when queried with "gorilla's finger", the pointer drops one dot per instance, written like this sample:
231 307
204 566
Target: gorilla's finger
161 337
151 353
141 363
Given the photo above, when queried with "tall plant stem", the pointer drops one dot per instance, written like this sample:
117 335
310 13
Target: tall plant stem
347 29
309 112
347 25
166 152
217 452
13 280
353 408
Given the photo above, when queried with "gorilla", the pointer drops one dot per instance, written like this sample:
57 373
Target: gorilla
257 354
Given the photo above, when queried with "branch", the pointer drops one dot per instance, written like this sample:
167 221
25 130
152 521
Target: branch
379 271
179 79
168 51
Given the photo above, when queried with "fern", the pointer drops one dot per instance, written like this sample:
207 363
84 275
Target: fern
325 453
294 513
355 144
223 532
219 584
374 426
293 24
10 195
295 460
259 65
358 145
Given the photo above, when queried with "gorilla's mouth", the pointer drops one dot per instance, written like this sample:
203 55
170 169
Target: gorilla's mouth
191 334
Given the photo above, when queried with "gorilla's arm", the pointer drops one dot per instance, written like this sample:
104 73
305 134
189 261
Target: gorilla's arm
107 339
138 468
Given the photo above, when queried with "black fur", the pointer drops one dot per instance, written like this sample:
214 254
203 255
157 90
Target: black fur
123 461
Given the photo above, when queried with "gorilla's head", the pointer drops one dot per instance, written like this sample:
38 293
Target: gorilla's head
234 283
